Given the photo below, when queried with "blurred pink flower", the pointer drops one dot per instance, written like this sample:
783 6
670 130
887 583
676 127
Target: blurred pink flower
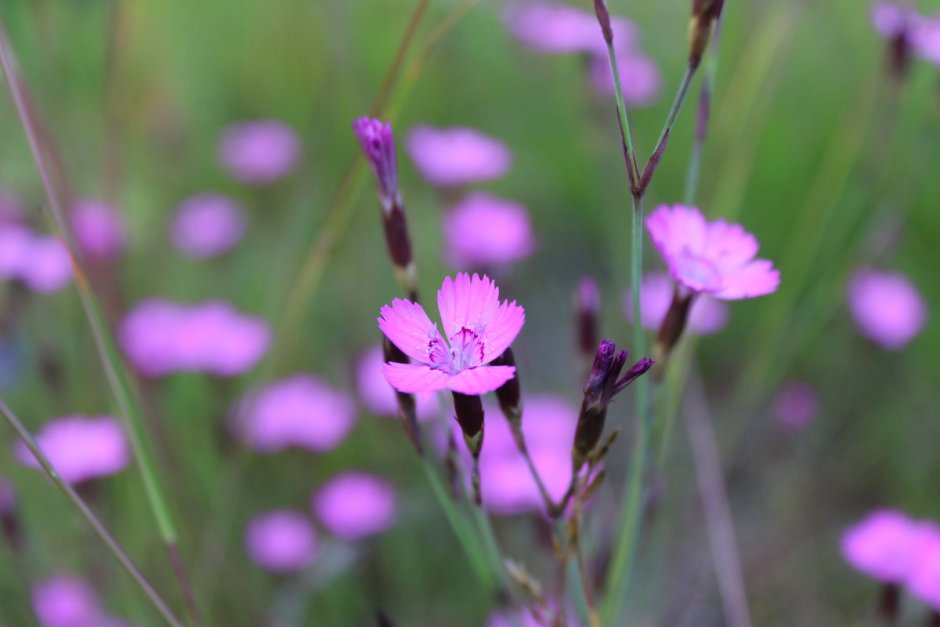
796 405
449 157
281 541
922 32
99 229
161 337
66 601
882 545
886 307
80 448
379 397
560 28
482 230
40 262
478 328
354 505
716 258
207 225
300 411
707 315
259 152
923 581
639 78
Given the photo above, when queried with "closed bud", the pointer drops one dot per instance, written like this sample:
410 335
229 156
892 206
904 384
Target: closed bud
469 412
603 18
704 15
673 324
407 412
509 394
378 145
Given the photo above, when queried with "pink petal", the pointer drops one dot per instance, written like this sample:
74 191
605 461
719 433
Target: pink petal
408 327
480 380
501 330
677 228
729 245
414 378
755 279
466 302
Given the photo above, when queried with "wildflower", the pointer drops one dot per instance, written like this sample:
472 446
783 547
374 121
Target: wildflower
924 580
560 29
299 411
66 601
796 405
355 505
378 396
886 307
207 225
99 229
639 78
587 308
162 337
80 448
881 546
451 157
485 231
707 315
259 152
39 262
282 541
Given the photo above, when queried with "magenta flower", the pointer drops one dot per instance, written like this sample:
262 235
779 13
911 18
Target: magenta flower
477 326
66 601
639 78
560 29
259 152
924 579
41 263
301 411
706 316
882 546
355 505
80 448
99 229
282 541
379 397
482 230
716 258
796 405
378 143
161 337
886 307
450 157
207 225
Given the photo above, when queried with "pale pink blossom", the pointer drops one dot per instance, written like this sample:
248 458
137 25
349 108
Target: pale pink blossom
883 546
282 541
796 405
716 258
639 78
560 28
300 411
355 505
477 329
485 231
80 448
259 152
99 229
379 397
706 316
40 262
455 156
886 307
207 225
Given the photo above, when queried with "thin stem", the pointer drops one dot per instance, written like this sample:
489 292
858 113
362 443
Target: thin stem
650 169
89 516
625 135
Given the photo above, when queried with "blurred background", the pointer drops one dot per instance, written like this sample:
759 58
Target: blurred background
814 146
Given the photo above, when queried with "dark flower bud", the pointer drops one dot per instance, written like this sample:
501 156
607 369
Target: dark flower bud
673 324
899 53
603 18
587 307
704 15
509 394
407 412
469 413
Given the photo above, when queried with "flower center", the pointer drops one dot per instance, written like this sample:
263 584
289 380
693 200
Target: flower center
697 273
465 350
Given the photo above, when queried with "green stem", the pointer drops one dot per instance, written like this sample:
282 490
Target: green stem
625 134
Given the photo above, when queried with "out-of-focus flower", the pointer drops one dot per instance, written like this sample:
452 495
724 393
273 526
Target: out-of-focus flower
99 229
282 541
715 258
162 337
796 405
639 78
923 581
886 307
882 546
66 601
80 448
449 157
354 505
207 225
482 230
259 152
300 411
478 328
40 262
707 315
919 32
379 397
560 28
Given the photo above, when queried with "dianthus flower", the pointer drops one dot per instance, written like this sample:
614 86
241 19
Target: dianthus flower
207 225
99 229
259 152
282 541
450 157
80 448
886 307
354 505
485 231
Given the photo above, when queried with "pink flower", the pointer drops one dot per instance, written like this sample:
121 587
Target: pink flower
281 541
796 405
40 262
66 601
477 327
924 579
716 258
450 157
708 315
886 307
639 78
161 337
300 411
379 397
99 229
559 28
259 152
355 505
482 230
882 546
207 225
80 448
922 33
